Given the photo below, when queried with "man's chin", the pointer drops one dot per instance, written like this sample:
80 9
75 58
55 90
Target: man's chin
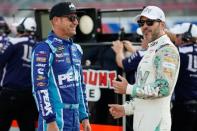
73 33
148 38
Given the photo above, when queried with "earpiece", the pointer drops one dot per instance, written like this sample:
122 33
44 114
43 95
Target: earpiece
187 35
21 28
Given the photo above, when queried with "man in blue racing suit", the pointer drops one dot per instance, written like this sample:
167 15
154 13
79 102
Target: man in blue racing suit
57 75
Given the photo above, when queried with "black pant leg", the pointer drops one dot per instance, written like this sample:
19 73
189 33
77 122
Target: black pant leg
27 113
184 117
6 112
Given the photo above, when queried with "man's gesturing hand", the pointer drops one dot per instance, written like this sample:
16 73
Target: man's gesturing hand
120 87
116 110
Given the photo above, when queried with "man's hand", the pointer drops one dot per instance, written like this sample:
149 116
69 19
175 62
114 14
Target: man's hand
129 46
116 110
117 46
120 87
52 126
86 125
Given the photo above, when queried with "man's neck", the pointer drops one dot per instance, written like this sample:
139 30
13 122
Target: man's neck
60 35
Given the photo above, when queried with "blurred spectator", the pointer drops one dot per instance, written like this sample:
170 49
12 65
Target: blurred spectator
129 64
176 30
184 110
4 31
16 99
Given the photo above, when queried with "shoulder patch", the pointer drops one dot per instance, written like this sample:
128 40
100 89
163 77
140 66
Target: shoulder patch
185 49
18 40
162 46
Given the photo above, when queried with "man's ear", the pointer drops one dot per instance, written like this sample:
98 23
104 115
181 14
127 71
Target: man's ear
54 20
164 25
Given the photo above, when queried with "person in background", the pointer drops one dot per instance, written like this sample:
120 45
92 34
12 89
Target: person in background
4 32
184 109
129 63
57 75
157 74
16 99
176 31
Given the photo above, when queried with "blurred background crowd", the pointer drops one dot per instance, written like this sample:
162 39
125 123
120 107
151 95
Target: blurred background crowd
177 11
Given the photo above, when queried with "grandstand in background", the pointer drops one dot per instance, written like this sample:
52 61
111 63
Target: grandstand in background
177 11
173 8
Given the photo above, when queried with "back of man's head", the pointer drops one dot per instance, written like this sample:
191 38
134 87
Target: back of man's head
4 29
27 25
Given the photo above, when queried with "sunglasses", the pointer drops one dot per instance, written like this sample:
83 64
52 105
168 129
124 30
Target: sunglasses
72 18
148 22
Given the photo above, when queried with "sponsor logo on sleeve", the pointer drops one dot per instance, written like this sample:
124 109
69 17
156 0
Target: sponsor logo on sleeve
40 77
40 71
46 102
41 59
41 84
41 54
40 65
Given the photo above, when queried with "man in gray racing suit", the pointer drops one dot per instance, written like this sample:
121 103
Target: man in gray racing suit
156 75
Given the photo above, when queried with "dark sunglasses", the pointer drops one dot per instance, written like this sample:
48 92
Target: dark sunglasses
72 18
149 22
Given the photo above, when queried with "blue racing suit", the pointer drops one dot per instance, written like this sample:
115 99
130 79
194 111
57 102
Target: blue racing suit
58 83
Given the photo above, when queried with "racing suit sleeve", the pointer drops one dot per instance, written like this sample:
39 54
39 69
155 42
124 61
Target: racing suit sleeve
131 63
41 60
166 64
83 105
6 53
129 107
